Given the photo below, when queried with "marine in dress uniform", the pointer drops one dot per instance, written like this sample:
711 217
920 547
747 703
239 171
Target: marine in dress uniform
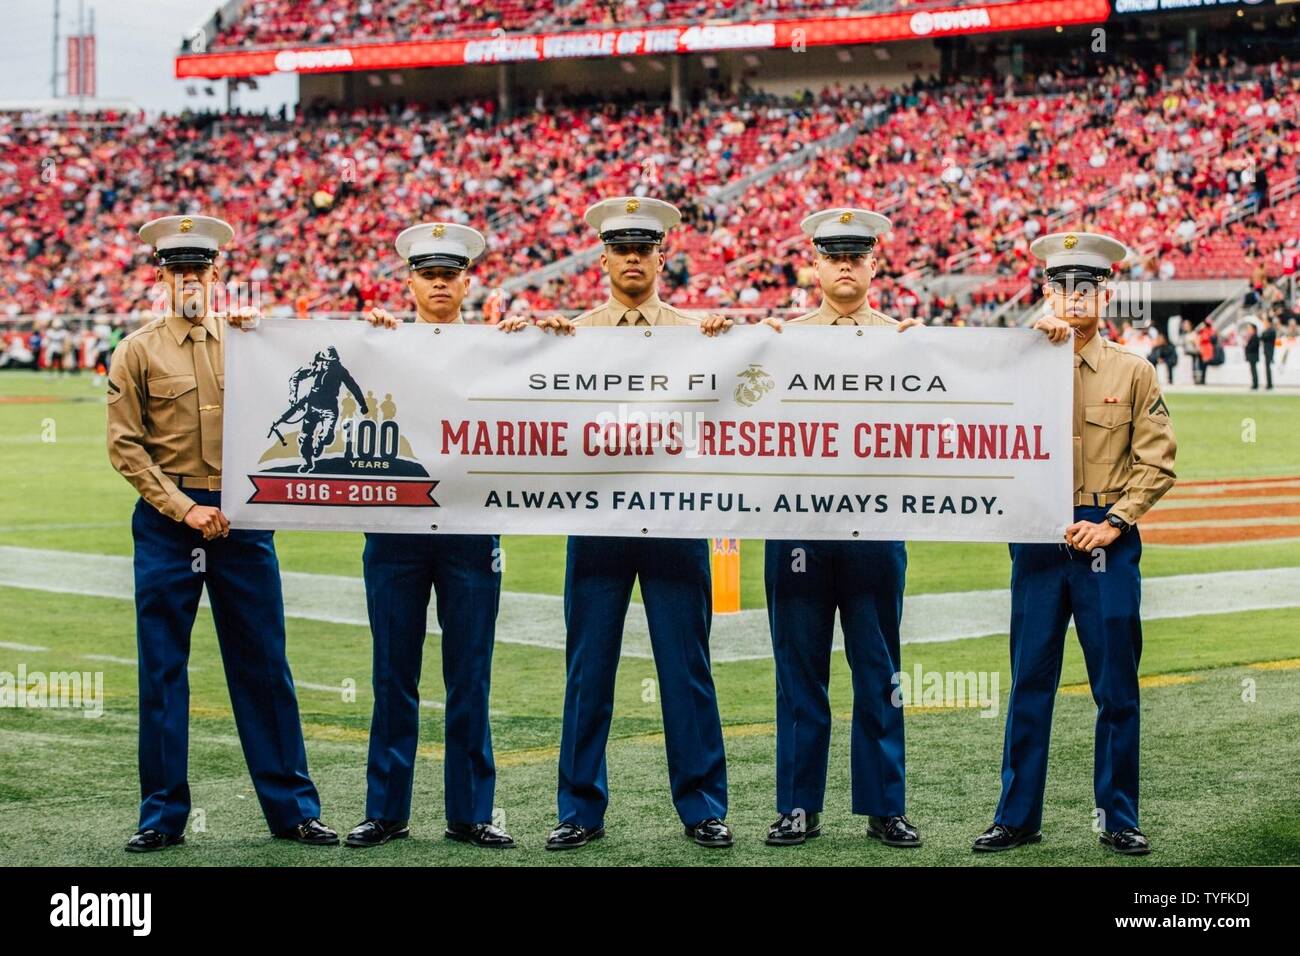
401 570
164 436
808 581
675 586
1123 462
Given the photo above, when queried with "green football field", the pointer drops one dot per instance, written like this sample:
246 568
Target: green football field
1221 698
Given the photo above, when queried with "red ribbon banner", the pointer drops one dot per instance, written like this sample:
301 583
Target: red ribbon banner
347 492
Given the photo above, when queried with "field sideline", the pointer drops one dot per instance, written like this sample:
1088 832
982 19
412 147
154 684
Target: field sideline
1219 772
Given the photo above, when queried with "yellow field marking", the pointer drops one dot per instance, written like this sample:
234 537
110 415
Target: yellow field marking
198 710
333 732
1169 680
316 731
1287 664
517 758
521 758
755 730
1155 680
937 708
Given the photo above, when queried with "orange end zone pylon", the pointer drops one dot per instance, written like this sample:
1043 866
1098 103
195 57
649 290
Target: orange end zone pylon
724 558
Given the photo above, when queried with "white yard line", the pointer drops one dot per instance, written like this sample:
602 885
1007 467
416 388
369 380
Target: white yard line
537 620
110 659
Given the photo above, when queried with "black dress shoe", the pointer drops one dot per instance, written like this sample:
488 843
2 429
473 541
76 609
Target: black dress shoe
569 836
1130 841
713 833
147 841
312 832
1002 837
893 831
792 829
377 832
480 834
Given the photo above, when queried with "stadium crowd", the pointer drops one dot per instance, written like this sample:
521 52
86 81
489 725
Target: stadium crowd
969 172
317 202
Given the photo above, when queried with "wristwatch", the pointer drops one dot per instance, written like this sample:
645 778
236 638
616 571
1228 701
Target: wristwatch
1115 521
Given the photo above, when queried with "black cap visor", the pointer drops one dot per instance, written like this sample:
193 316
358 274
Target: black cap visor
631 237
845 245
439 260
186 256
1065 273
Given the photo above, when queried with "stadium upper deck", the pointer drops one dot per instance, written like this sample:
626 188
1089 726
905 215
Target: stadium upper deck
258 23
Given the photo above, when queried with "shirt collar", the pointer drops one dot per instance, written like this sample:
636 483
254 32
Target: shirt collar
459 320
1091 353
827 310
649 308
180 327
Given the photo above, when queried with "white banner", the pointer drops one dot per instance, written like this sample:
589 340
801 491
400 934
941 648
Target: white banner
827 432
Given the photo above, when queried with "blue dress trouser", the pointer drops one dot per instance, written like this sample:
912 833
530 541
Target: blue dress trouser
401 571
172 565
807 581
1049 585
677 590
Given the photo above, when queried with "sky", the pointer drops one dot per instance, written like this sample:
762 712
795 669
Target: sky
136 42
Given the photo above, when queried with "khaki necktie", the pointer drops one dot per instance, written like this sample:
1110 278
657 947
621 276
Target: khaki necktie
633 317
1078 422
209 400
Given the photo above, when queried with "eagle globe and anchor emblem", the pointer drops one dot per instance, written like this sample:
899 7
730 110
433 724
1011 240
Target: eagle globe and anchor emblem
348 448
754 385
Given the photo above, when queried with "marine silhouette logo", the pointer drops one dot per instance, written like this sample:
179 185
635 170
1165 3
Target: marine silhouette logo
347 449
